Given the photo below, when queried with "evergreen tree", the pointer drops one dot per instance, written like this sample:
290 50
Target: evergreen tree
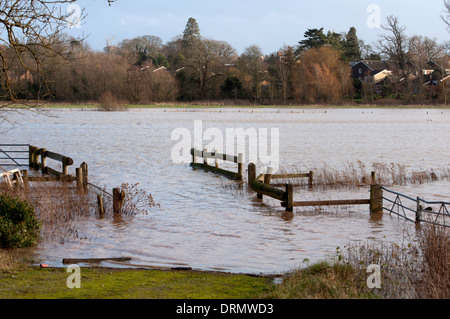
314 38
352 51
191 34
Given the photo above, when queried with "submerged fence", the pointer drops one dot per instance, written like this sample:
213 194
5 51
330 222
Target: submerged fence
412 209
261 185
206 155
417 209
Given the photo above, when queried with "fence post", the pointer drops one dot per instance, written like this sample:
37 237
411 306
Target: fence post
194 158
25 180
251 173
217 160
65 166
418 211
205 159
311 178
79 178
42 152
30 156
241 167
268 176
289 197
376 199
101 210
84 169
36 158
118 198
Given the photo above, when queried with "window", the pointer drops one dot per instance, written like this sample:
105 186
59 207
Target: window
360 71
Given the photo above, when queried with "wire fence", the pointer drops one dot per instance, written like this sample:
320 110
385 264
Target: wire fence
416 209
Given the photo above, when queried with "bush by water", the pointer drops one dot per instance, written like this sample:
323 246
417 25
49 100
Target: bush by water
19 227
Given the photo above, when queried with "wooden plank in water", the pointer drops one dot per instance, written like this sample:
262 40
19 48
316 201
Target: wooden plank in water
229 174
300 175
331 203
92 260
268 190
214 155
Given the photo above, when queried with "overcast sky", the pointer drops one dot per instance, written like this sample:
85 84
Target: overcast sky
268 24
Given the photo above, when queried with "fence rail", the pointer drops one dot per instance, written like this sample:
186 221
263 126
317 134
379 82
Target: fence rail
206 155
38 161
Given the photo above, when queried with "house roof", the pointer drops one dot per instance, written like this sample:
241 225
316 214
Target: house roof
443 63
374 65
421 65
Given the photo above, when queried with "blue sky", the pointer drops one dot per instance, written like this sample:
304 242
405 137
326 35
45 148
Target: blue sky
268 24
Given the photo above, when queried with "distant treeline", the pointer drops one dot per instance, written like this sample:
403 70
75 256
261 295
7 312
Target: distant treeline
191 67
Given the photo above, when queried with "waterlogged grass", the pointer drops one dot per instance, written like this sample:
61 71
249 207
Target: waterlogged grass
101 283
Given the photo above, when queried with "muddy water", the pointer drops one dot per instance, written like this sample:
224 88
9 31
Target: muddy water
207 222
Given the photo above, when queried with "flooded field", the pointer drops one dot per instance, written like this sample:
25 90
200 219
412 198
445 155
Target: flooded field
208 222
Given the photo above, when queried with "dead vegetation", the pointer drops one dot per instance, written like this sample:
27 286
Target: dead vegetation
359 174
414 269
60 206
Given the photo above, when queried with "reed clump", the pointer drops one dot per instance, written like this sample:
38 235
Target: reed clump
415 269
323 280
435 245
359 174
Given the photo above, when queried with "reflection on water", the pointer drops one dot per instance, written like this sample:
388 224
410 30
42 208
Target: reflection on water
204 222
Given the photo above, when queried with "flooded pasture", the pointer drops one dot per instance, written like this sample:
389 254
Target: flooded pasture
208 222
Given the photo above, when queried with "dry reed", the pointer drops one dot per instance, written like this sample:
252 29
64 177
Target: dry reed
359 174
60 206
415 269
137 200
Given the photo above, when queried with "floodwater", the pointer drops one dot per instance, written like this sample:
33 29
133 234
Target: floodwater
208 222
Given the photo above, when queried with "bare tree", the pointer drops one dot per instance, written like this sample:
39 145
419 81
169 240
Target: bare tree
446 18
31 39
422 49
251 63
394 44
207 59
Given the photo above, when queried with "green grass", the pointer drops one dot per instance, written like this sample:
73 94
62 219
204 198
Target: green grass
322 280
101 283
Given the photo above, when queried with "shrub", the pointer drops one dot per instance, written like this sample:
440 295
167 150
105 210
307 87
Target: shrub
18 225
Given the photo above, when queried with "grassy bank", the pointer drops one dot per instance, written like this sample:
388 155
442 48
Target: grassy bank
102 283
412 271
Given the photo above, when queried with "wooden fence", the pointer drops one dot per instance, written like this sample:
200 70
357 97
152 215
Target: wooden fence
38 161
206 155
261 185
